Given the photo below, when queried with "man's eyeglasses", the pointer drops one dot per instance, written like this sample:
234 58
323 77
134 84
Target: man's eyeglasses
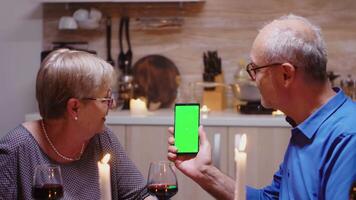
252 68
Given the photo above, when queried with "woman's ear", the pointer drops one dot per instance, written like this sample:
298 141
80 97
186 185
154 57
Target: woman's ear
289 73
73 105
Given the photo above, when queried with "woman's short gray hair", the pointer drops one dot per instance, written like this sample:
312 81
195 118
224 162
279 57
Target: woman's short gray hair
66 74
289 45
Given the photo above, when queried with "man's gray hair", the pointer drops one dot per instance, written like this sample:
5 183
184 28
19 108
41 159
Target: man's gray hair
290 45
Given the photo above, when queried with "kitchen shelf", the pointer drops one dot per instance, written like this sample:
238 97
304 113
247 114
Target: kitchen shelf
54 9
118 1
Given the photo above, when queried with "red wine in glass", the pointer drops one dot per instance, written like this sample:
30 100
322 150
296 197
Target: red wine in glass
47 183
47 192
162 191
162 180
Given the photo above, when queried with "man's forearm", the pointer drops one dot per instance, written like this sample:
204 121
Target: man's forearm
216 183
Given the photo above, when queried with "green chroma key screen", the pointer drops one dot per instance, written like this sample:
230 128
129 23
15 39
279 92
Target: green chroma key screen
186 125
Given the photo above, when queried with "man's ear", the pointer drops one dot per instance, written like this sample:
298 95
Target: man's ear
289 73
73 105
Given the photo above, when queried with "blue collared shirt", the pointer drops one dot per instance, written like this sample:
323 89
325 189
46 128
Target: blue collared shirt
320 161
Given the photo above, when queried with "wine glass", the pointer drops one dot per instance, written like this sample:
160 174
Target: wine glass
47 183
162 180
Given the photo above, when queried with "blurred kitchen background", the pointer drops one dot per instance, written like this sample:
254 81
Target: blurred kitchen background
179 30
183 31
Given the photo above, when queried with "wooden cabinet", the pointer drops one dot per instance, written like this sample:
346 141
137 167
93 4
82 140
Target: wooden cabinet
145 144
218 138
120 133
149 143
265 150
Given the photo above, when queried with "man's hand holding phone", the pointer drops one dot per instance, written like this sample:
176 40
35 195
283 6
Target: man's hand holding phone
189 165
190 151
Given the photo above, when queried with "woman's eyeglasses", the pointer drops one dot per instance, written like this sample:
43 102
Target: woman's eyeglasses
109 100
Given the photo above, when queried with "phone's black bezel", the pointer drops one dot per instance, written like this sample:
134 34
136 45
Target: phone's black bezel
187 104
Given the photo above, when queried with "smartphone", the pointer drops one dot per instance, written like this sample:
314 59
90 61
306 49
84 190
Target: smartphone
186 127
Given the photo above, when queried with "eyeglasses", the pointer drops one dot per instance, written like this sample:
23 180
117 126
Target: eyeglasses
252 68
109 100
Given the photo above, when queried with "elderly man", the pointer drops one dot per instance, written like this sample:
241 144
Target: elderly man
289 66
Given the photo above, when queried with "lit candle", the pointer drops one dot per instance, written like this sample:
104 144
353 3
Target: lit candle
204 111
138 107
240 160
277 113
104 178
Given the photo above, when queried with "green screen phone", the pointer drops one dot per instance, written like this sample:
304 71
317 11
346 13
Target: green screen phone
186 125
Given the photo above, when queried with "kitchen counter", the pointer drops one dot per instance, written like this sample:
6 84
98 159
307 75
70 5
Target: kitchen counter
166 117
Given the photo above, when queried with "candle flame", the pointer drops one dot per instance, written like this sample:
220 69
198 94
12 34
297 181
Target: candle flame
204 108
138 100
106 158
277 113
243 142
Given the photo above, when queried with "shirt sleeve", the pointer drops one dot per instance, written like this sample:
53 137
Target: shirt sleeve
341 169
8 185
130 182
268 192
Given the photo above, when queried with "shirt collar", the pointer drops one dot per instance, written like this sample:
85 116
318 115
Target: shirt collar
309 126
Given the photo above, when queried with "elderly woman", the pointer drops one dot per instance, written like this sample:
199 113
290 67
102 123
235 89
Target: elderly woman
73 94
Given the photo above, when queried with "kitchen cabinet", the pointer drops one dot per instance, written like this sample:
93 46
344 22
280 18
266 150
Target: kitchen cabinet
265 150
120 132
145 144
149 143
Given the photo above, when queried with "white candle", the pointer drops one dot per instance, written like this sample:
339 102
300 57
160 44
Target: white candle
104 178
204 111
240 160
277 113
138 107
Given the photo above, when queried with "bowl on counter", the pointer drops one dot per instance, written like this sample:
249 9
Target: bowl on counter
246 91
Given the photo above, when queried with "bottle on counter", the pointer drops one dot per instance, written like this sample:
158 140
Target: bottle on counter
126 91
